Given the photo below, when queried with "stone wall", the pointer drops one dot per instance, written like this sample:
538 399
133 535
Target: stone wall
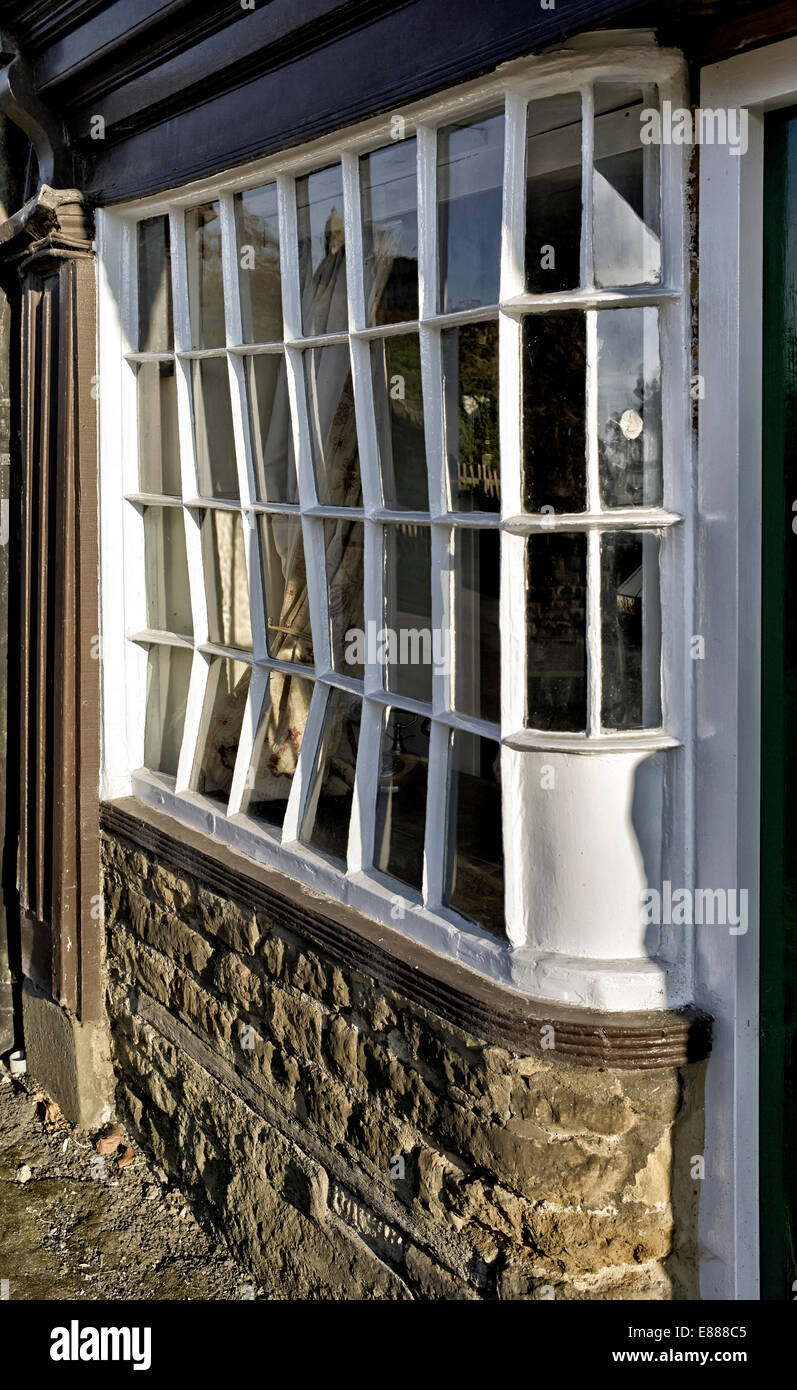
351 1144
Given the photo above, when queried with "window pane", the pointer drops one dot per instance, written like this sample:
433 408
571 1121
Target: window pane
477 644
398 404
625 189
322 252
257 233
401 797
215 445
288 632
390 232
168 676
166 566
470 400
343 542
205 285
408 649
226 587
228 686
270 428
154 286
554 412
556 661
158 443
326 821
629 407
470 175
553 194
630 631
277 746
333 429
475 851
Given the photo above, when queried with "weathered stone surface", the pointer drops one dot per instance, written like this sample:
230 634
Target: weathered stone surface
234 978
234 923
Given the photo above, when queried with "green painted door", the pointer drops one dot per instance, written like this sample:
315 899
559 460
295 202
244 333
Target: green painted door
779 718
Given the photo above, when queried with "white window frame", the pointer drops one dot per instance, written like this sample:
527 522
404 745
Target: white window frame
625 977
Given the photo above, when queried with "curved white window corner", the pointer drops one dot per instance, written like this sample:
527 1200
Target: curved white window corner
397 518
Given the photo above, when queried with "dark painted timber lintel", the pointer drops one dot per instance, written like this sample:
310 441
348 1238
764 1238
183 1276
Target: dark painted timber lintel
484 1010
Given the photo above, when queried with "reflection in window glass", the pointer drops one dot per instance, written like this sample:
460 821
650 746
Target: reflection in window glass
553 194
278 743
470 403
226 587
257 235
166 569
322 252
477 644
625 188
470 175
270 428
398 406
554 412
325 824
409 651
401 797
168 676
343 543
225 704
475 856
288 632
215 446
388 188
629 407
556 660
333 428
630 630
158 444
205 284
154 286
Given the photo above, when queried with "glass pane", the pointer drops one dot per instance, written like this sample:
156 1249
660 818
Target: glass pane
154 286
390 232
333 428
401 797
288 631
470 401
477 645
205 285
553 194
166 566
326 821
556 660
257 235
408 650
343 542
278 743
322 252
168 676
398 405
470 176
554 412
629 407
475 851
625 188
215 445
226 587
630 631
158 443
270 428
225 704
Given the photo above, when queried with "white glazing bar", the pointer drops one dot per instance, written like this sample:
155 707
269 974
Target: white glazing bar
373 607
363 811
435 855
255 704
303 787
360 348
593 536
587 158
428 271
513 228
315 555
197 717
442 618
185 425
353 233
